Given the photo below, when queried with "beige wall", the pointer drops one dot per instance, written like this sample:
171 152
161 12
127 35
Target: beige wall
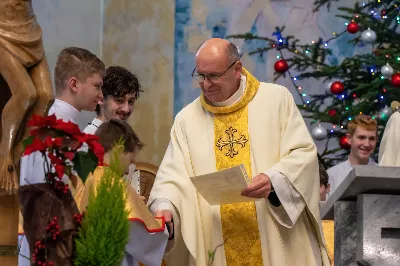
70 23
140 37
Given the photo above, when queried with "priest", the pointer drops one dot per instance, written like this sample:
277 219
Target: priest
238 120
389 151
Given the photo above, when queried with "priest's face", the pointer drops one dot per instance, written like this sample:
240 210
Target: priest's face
363 143
88 92
218 79
118 107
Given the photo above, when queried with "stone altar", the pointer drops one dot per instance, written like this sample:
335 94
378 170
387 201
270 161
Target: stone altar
366 211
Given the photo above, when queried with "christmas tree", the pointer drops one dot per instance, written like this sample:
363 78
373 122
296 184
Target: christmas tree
362 84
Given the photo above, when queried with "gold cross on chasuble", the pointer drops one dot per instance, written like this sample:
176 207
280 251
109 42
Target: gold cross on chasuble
230 143
239 221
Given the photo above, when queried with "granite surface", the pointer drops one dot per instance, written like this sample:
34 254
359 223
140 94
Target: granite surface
345 233
378 229
364 179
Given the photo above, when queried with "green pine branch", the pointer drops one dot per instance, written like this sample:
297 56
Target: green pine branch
105 227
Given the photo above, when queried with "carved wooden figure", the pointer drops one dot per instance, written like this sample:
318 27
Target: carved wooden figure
26 82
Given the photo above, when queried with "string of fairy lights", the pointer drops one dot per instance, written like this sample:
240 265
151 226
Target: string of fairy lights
368 36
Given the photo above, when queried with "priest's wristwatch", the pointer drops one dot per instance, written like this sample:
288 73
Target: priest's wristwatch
273 198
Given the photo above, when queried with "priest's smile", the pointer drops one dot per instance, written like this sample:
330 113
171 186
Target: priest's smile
211 91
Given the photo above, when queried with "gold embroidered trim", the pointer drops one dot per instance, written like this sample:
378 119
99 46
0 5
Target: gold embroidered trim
239 221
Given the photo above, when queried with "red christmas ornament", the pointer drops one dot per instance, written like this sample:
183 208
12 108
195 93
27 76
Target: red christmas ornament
396 80
332 112
344 143
337 87
383 12
352 27
281 66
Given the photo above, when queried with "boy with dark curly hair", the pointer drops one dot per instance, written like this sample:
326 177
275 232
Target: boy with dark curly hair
120 89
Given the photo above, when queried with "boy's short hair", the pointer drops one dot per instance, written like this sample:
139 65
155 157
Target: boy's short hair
119 81
76 62
323 175
112 131
363 121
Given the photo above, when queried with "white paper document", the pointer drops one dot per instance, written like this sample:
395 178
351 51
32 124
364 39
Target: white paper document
223 187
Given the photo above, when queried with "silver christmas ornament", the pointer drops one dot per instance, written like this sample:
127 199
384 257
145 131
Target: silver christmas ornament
319 133
387 71
368 36
385 113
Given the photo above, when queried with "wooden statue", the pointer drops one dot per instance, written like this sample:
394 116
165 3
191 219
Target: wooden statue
25 79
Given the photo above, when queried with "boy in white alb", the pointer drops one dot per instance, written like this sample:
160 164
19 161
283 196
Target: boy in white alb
362 136
78 77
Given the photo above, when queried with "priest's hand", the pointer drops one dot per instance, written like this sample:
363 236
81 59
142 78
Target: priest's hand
259 187
168 221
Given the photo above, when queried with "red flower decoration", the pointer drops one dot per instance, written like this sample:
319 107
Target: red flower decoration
55 159
91 141
60 141
37 145
87 138
48 142
39 121
57 142
67 127
98 150
70 155
59 170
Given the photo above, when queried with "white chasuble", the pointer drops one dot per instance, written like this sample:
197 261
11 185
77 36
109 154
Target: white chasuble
389 151
265 131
